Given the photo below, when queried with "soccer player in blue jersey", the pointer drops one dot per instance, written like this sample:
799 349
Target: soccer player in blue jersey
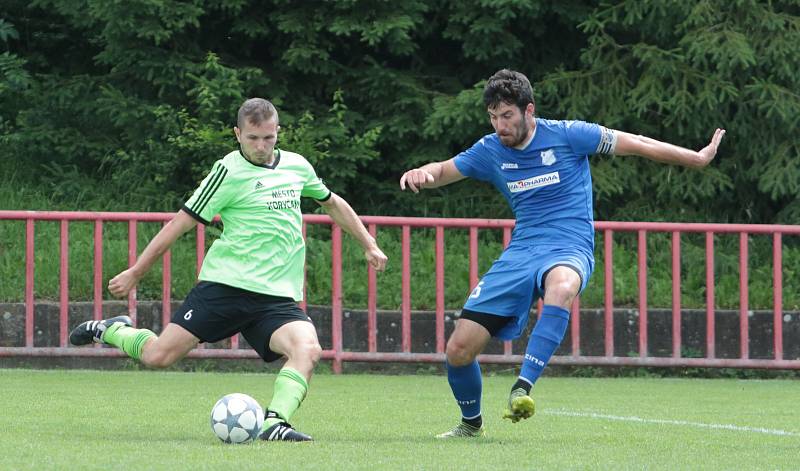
541 167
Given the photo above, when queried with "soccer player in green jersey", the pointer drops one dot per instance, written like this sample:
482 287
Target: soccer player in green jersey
252 275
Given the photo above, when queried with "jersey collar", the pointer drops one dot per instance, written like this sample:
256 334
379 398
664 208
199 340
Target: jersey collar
272 166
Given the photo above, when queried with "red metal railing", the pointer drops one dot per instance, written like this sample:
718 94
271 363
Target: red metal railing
337 353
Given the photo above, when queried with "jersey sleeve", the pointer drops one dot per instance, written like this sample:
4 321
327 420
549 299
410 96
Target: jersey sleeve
590 138
475 161
314 186
211 196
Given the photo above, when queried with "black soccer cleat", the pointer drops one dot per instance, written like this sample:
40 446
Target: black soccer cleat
282 431
92 331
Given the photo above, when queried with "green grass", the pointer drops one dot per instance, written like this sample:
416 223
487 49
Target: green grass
105 420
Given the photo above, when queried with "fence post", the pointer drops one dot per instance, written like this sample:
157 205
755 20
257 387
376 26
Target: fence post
676 294
642 293
132 249
710 302
608 308
63 297
336 297
405 316
166 291
440 289
29 269
744 324
98 272
372 301
777 293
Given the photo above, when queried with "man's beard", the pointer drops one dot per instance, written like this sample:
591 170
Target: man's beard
521 132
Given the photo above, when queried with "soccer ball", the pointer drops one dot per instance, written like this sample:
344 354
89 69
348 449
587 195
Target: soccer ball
237 418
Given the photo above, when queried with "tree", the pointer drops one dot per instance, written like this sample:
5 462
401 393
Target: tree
675 71
136 98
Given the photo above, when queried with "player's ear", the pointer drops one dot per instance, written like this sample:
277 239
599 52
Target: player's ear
238 133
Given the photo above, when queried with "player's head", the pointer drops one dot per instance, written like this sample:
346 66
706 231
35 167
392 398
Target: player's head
257 130
508 97
255 111
509 87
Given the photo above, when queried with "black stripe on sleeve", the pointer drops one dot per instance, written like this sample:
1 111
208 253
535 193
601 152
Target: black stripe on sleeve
196 216
322 200
212 187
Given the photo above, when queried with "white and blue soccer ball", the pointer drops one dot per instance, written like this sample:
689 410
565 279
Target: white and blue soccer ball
237 418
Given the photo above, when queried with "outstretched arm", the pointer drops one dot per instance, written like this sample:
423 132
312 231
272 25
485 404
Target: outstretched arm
431 175
121 284
630 144
344 216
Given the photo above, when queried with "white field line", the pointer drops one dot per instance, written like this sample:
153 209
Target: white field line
684 423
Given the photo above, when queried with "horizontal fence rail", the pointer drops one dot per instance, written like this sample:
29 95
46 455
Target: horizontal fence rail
572 354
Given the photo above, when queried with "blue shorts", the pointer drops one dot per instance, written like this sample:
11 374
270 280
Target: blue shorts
516 280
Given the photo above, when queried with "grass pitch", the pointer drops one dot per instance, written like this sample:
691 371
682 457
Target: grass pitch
160 420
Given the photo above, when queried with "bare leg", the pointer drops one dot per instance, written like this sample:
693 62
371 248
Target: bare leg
172 345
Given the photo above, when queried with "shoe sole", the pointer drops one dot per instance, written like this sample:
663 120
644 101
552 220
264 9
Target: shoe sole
445 436
463 431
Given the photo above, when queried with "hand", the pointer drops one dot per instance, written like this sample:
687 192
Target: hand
708 152
376 258
416 179
121 284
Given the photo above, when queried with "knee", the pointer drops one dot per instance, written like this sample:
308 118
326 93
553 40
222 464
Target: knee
314 353
561 293
561 286
309 351
458 353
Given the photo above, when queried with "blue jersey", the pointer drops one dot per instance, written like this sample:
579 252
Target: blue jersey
548 184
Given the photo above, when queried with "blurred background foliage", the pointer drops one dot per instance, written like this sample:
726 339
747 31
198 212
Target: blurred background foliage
125 104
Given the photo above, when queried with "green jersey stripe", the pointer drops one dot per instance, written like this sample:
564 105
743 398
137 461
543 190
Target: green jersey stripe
208 192
213 186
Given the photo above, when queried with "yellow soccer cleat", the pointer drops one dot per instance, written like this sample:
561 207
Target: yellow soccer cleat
520 406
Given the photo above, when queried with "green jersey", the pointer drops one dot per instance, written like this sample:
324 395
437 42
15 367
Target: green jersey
261 248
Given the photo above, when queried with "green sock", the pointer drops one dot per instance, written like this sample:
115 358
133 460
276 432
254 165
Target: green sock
127 339
290 390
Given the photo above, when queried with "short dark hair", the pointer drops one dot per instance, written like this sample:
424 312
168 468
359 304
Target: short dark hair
508 86
256 111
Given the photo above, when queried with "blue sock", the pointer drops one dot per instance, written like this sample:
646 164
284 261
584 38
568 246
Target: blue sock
545 339
466 383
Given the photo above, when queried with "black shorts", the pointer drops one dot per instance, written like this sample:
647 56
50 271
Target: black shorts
491 322
213 312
